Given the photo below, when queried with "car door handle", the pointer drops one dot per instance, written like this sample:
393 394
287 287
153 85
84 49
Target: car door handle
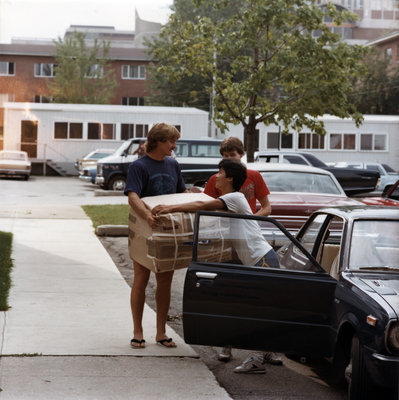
206 275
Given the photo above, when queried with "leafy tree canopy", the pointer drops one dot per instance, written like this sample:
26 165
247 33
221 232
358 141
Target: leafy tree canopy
263 62
378 90
81 76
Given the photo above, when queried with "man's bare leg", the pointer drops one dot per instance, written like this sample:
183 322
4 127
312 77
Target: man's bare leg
137 300
162 298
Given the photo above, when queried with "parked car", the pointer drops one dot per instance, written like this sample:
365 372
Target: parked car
389 197
198 159
335 295
91 158
15 163
353 181
296 191
88 174
388 176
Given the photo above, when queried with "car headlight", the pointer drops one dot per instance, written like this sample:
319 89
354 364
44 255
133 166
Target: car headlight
393 338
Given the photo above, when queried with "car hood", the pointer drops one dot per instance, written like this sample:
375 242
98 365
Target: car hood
379 201
388 289
311 200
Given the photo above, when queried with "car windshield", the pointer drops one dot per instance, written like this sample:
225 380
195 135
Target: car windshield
302 182
375 245
12 156
389 169
97 156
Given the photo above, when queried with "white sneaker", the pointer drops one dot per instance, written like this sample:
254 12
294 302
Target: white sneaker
272 358
225 355
252 365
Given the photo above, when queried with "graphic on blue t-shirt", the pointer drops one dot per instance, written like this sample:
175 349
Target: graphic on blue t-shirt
162 184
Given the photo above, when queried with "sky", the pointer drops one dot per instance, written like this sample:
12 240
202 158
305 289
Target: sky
48 19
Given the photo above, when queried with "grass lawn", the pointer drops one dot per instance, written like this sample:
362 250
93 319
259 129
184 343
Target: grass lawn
5 268
111 214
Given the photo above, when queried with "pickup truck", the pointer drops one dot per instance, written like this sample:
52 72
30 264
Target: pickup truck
352 180
198 159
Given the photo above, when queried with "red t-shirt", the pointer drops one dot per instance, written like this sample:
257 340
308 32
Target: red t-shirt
254 188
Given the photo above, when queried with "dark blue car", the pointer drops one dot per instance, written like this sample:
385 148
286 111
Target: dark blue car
335 295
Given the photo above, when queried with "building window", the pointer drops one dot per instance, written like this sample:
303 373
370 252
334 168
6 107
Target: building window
99 131
68 130
93 131
310 141
129 131
108 132
342 141
45 70
7 68
94 71
277 140
132 101
133 72
42 99
388 54
372 142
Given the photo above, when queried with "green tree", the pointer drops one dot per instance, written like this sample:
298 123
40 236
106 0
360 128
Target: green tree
378 90
188 90
264 64
81 75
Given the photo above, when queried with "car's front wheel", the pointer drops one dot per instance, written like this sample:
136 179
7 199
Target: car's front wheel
117 183
360 386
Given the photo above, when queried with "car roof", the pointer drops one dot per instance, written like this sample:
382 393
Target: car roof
265 167
364 212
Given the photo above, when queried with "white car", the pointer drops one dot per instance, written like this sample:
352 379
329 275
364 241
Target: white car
15 163
90 160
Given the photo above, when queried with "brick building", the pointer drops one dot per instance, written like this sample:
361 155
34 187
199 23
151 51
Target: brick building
27 65
389 45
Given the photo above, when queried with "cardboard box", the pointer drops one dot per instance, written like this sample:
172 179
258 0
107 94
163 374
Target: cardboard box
168 246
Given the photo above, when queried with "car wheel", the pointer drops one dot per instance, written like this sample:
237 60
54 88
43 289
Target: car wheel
117 183
26 177
360 387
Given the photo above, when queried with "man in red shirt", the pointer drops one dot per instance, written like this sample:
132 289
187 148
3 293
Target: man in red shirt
254 188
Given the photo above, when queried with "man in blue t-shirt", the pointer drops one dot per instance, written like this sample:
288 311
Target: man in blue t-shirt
154 174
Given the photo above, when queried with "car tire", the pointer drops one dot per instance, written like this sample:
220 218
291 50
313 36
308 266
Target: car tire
360 387
26 177
117 183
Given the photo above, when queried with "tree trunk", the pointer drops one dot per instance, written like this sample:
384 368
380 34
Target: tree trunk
250 140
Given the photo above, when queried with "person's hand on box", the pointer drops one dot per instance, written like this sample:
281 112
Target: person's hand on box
161 209
151 220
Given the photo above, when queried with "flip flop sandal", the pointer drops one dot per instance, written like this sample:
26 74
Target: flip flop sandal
164 342
139 342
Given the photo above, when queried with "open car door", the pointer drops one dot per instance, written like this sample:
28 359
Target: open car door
249 307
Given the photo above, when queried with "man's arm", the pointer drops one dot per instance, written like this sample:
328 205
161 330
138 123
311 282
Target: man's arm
265 207
215 204
137 204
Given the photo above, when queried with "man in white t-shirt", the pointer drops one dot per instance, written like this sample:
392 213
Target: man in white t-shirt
251 248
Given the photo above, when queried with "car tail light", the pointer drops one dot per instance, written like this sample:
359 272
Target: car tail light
393 338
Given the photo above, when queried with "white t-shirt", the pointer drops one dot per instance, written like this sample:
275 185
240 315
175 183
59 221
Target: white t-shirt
246 234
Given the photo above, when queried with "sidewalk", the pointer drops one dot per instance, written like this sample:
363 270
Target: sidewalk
67 333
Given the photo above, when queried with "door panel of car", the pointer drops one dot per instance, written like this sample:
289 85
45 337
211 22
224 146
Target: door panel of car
258 308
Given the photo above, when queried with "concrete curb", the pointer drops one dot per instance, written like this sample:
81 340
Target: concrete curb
100 192
112 230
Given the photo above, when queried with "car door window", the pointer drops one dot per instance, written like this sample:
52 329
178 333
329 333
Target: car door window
181 150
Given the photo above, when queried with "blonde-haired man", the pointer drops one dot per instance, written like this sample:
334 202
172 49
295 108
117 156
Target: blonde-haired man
154 174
